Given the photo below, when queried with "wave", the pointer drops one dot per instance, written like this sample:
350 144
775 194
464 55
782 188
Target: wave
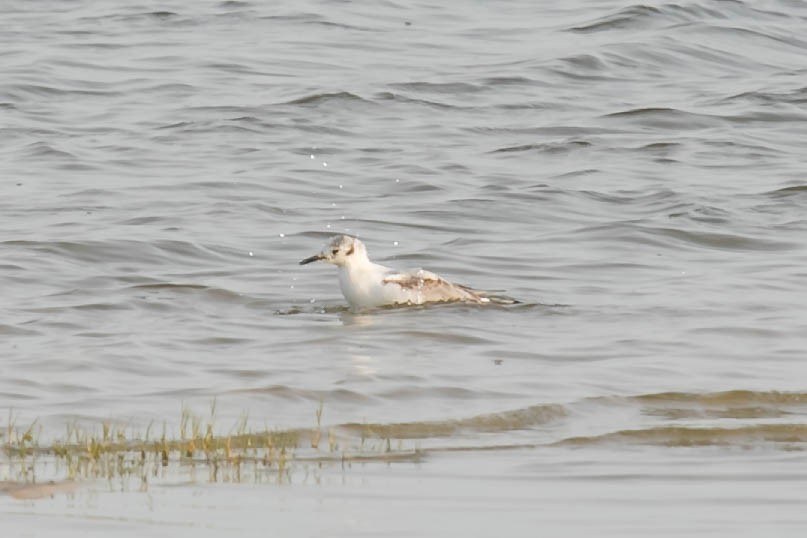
167 251
327 98
642 16
738 407
517 419
450 88
549 147
677 436
667 118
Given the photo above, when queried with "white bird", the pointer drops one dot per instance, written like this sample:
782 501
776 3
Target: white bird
367 285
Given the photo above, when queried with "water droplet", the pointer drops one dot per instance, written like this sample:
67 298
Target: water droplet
312 156
312 300
328 226
250 253
282 235
395 243
340 186
397 181
343 217
324 163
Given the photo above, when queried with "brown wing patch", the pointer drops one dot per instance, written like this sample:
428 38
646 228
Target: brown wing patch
416 280
433 288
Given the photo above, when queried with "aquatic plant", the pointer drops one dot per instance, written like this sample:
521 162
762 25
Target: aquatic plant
120 454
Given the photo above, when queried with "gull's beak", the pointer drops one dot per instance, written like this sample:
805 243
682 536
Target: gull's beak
312 259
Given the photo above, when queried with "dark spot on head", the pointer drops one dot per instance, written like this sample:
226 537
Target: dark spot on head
335 251
349 252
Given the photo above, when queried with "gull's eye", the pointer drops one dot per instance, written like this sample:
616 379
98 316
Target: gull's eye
335 251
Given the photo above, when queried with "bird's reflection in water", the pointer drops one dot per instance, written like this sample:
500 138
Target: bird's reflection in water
356 319
362 365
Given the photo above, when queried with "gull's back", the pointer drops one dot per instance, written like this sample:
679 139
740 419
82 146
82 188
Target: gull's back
372 285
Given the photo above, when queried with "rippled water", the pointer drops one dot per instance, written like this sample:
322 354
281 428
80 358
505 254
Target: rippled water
634 173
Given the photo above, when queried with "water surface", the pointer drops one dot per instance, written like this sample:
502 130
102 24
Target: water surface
634 173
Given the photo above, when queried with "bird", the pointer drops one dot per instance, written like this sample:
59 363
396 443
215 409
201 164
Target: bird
369 285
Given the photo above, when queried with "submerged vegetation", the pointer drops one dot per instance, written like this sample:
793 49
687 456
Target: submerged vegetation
127 458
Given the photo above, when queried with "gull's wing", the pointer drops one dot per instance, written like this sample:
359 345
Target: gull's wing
421 286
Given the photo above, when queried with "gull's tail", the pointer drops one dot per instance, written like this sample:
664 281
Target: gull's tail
486 297
502 299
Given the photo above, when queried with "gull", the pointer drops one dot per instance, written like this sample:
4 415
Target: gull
368 285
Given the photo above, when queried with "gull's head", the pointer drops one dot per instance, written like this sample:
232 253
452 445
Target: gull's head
340 251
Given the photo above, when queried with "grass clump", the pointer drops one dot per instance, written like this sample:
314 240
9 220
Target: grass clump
127 458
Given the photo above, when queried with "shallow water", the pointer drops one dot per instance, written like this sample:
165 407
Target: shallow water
633 173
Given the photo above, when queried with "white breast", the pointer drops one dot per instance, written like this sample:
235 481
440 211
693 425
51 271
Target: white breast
363 286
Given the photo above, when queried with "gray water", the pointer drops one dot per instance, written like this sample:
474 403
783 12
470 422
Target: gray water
633 173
